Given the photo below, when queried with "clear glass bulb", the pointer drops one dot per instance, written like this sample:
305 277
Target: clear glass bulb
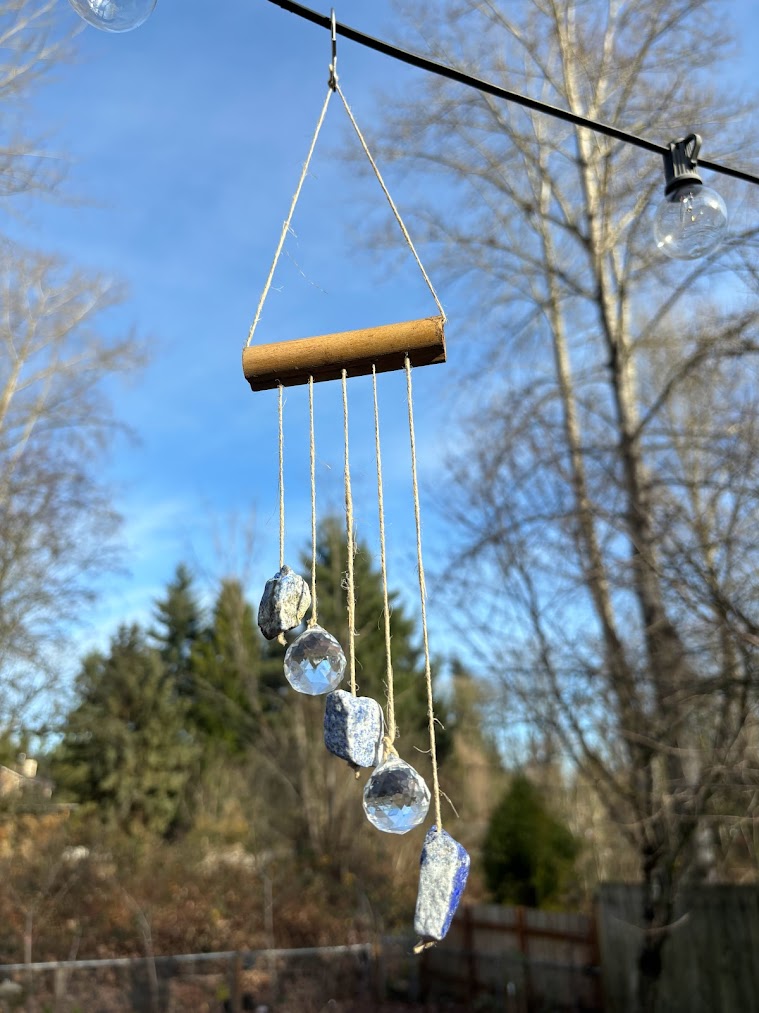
114 15
690 222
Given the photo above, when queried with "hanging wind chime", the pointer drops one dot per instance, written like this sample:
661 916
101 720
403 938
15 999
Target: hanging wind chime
396 798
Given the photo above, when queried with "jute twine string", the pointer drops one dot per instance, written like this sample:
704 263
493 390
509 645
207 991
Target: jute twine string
390 200
423 600
312 459
280 416
288 220
351 544
259 309
281 486
391 727
388 748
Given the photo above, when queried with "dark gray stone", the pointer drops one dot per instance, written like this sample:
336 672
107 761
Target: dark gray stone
284 603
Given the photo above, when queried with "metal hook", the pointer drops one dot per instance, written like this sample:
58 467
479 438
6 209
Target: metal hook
333 65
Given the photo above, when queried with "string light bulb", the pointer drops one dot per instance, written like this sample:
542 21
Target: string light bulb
114 15
691 221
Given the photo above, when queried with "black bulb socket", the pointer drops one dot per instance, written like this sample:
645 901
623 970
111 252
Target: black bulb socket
680 162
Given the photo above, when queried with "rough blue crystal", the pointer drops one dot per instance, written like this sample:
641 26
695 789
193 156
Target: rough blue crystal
314 663
442 878
353 728
396 799
285 601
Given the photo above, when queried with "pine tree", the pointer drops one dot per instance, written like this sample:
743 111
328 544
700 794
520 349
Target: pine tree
408 663
223 667
124 746
179 622
528 854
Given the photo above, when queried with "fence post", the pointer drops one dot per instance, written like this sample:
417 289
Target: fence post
595 957
59 988
473 984
377 958
235 990
522 939
424 978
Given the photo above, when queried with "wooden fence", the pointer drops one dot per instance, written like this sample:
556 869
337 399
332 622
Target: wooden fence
519 959
711 959
230 981
522 960
514 960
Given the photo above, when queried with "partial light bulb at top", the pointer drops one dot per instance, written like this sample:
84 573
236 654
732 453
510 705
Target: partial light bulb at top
692 220
114 15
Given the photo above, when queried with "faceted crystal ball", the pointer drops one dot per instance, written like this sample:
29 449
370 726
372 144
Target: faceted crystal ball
314 663
396 799
114 15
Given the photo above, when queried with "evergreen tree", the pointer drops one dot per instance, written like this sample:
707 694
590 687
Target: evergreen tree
332 606
11 745
528 855
179 622
124 745
224 673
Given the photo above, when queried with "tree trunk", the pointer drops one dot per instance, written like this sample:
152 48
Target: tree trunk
649 974
657 910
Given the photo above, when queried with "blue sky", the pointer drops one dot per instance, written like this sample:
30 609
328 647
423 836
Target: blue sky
185 140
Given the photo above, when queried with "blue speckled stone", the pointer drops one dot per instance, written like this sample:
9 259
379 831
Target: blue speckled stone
353 727
442 878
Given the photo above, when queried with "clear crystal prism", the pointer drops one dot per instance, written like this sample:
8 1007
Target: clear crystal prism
396 798
314 663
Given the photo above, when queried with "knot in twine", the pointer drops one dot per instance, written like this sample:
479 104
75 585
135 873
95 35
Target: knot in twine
388 748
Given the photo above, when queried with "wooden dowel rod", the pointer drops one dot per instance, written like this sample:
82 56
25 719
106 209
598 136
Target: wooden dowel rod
386 347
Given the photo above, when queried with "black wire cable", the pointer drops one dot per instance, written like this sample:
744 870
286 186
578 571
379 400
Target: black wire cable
442 70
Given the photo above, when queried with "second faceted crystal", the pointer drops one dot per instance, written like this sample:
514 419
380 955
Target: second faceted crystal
314 663
396 799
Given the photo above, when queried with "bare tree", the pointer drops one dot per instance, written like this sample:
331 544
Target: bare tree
33 41
40 871
606 493
56 519
56 355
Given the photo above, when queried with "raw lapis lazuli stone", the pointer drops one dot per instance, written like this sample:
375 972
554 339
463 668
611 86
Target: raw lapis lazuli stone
442 878
396 799
285 601
353 727
314 663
